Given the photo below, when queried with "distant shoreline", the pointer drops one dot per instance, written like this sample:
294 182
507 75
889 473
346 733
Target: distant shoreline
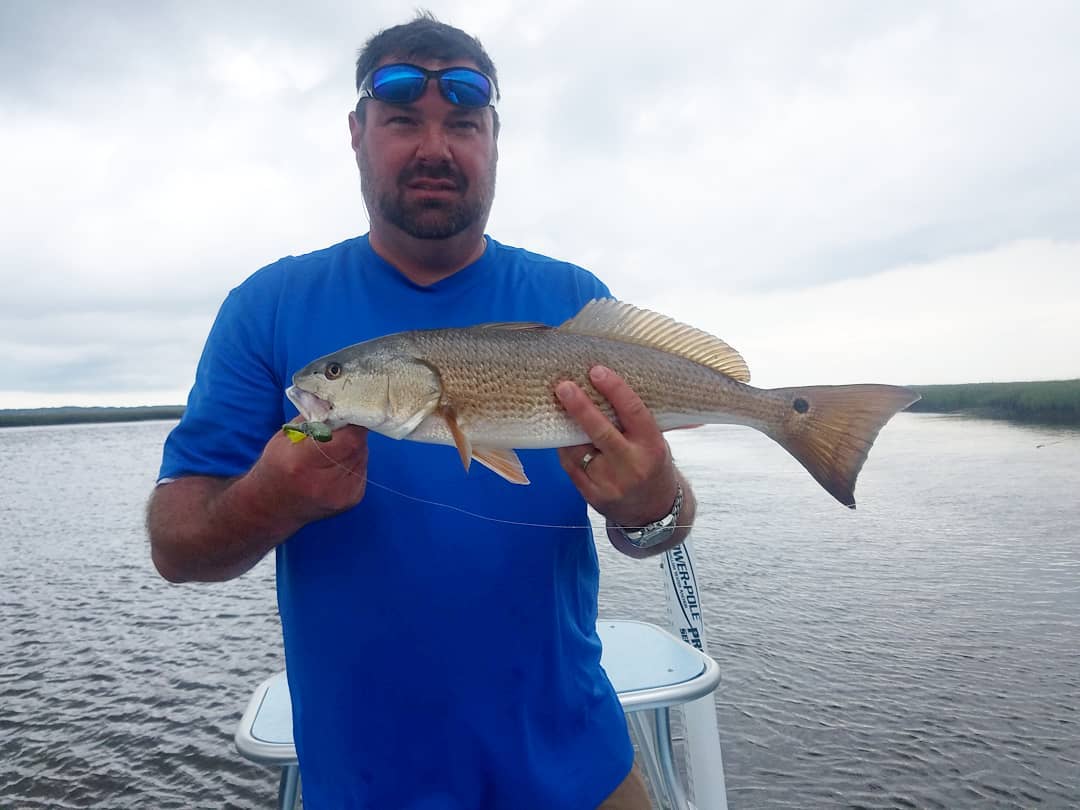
1054 402
29 417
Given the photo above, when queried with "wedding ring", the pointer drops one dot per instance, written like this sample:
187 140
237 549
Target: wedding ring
586 460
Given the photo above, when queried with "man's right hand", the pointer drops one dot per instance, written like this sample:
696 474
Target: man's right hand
204 528
310 480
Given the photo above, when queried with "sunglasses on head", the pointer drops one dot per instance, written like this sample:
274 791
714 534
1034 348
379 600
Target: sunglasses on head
403 84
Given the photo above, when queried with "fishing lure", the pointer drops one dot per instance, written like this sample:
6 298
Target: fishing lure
319 431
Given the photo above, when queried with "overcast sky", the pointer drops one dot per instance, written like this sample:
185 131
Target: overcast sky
844 191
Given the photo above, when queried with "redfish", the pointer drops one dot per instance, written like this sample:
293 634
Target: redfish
489 390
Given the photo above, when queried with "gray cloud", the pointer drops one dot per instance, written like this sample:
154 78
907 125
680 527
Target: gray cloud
155 154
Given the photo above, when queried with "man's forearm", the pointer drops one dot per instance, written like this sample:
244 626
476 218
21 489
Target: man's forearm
209 529
206 529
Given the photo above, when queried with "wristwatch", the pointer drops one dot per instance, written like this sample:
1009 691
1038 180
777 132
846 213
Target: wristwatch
659 530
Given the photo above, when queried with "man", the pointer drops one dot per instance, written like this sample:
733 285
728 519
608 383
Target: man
435 659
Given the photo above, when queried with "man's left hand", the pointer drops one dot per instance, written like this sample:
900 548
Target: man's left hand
629 478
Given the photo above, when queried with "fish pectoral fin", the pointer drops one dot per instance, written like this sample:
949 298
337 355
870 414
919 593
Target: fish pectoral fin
461 440
503 462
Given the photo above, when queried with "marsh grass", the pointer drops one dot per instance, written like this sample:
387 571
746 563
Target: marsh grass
1055 402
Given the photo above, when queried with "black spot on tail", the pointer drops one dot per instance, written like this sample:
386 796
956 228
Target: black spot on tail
800 405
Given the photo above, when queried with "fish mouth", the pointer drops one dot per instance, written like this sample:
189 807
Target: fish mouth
312 407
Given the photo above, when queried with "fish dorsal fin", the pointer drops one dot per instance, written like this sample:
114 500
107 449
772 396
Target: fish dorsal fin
512 326
617 320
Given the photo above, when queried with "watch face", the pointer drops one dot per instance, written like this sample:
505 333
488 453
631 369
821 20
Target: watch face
653 533
658 531
652 536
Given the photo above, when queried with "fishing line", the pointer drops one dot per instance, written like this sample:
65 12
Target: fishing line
453 508
449 506
475 514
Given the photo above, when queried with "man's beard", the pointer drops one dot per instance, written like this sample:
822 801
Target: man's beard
430 218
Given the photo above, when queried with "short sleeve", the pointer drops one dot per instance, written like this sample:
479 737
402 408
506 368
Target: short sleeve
236 402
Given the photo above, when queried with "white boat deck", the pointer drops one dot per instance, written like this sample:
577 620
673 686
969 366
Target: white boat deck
650 669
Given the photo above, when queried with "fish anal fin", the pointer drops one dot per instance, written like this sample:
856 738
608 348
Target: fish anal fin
503 462
617 320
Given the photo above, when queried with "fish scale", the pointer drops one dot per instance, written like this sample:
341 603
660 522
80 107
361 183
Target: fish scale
492 395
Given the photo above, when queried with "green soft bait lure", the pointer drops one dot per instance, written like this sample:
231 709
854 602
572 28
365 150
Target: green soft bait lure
298 432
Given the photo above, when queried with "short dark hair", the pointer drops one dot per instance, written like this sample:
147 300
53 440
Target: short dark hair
427 38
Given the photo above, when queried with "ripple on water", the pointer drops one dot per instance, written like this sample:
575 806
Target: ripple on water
919 652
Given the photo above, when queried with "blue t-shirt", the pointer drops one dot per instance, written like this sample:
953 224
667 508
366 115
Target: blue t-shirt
436 660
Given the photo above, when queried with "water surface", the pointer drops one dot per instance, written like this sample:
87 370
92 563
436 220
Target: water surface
921 651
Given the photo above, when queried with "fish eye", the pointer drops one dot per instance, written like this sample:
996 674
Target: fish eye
332 371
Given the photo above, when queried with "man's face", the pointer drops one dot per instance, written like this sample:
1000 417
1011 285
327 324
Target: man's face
427 168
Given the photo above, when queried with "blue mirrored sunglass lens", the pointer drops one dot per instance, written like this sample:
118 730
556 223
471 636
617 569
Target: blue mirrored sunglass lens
466 87
398 84
404 84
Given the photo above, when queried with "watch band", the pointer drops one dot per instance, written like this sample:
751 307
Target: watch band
659 530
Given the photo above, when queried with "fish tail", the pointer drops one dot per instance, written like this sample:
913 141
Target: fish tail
830 429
